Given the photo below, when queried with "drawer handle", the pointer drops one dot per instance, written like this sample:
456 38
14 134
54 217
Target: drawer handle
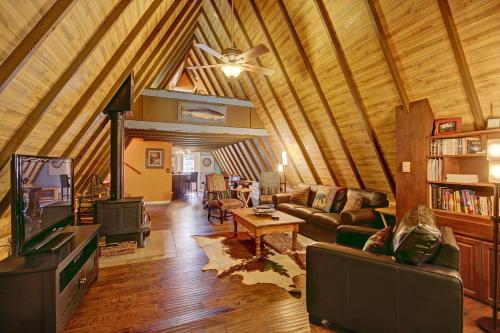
83 280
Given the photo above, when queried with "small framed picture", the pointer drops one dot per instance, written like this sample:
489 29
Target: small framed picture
447 125
154 158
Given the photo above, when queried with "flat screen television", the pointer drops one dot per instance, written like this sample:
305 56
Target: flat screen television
42 199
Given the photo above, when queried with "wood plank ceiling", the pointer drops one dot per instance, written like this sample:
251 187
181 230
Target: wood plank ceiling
341 69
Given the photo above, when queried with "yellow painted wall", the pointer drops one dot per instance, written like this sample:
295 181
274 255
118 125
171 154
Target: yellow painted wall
152 184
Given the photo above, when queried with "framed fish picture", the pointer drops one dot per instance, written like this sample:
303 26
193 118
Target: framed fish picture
202 113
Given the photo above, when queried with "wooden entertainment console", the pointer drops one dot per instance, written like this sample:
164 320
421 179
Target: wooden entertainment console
40 291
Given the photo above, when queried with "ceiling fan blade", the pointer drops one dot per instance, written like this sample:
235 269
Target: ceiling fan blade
205 66
257 51
257 69
211 51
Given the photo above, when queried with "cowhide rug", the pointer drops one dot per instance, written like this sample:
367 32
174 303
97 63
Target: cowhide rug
235 256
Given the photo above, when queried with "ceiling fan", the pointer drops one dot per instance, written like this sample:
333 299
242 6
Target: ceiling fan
234 60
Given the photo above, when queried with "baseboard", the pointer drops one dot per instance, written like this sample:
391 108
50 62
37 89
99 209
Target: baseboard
152 203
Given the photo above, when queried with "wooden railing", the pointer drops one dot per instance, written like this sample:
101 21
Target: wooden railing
133 169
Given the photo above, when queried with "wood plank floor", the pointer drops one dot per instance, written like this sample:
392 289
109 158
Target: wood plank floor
174 295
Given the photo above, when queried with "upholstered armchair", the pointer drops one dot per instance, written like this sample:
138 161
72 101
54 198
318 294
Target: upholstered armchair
218 197
269 185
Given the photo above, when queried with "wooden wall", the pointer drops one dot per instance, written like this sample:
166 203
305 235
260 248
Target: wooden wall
247 158
342 69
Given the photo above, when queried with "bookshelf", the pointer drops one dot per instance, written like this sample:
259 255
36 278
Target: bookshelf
455 155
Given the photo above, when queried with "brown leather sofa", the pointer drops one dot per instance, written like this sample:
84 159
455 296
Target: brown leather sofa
322 226
366 292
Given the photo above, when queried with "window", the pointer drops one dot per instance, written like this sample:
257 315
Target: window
188 163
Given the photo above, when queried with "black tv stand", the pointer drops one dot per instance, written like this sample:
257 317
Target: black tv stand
54 243
40 291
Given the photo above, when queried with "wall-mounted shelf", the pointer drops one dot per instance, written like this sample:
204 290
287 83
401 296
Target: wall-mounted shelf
459 214
481 184
482 155
466 134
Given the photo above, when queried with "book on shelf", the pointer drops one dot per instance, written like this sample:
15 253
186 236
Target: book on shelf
434 169
461 178
460 201
458 146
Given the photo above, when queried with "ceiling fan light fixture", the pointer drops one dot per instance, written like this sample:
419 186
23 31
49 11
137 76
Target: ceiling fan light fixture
232 70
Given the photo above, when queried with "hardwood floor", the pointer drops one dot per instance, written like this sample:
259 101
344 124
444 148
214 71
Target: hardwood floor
174 295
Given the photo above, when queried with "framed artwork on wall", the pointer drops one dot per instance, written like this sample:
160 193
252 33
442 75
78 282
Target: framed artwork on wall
154 158
201 113
447 126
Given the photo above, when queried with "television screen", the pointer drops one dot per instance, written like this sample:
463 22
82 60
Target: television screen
43 198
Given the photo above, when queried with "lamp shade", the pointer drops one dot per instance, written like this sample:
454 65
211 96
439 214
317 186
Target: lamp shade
494 172
493 150
280 167
284 158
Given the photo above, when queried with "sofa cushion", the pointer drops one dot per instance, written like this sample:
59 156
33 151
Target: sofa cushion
339 200
417 238
380 242
324 198
306 211
312 195
300 194
288 207
354 200
327 220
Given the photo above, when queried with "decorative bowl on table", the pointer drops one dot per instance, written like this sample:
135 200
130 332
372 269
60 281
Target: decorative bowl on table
263 210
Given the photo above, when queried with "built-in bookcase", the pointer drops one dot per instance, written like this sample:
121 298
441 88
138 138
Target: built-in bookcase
460 154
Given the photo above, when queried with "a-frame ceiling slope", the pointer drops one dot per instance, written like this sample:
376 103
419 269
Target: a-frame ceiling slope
341 69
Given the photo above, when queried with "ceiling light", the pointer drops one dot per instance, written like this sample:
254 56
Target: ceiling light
231 70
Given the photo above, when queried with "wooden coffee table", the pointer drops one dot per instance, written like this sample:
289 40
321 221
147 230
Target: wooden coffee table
261 225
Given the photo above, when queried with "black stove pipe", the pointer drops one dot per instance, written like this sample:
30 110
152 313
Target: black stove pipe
117 141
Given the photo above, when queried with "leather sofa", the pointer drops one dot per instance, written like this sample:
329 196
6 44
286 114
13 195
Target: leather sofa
366 292
322 226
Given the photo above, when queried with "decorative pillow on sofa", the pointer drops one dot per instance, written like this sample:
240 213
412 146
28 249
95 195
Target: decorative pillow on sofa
300 194
417 238
380 242
354 200
324 198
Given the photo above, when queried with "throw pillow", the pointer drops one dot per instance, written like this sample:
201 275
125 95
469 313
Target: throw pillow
324 198
417 238
354 200
300 194
380 242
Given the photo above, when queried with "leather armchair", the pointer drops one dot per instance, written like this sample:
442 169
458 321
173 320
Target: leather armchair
366 292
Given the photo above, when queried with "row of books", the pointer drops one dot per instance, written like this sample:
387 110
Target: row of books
458 146
461 201
434 169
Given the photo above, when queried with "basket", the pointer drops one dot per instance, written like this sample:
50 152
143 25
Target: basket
116 249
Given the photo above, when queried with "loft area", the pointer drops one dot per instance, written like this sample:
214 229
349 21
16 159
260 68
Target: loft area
190 165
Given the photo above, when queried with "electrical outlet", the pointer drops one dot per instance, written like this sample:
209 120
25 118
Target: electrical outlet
406 166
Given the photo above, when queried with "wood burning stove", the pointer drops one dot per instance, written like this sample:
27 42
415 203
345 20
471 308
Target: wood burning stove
121 219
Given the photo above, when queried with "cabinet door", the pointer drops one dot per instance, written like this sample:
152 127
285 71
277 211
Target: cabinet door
470 265
487 272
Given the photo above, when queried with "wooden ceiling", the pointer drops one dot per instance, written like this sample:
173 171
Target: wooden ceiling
341 69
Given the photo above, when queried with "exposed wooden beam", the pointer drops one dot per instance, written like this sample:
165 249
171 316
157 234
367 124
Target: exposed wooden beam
95 163
257 93
376 16
241 149
244 161
229 162
356 95
43 105
204 72
218 161
322 97
125 73
222 162
185 36
259 159
184 50
143 74
197 75
89 92
463 67
291 87
279 103
33 40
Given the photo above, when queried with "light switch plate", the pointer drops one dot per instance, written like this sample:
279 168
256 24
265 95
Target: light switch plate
406 166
